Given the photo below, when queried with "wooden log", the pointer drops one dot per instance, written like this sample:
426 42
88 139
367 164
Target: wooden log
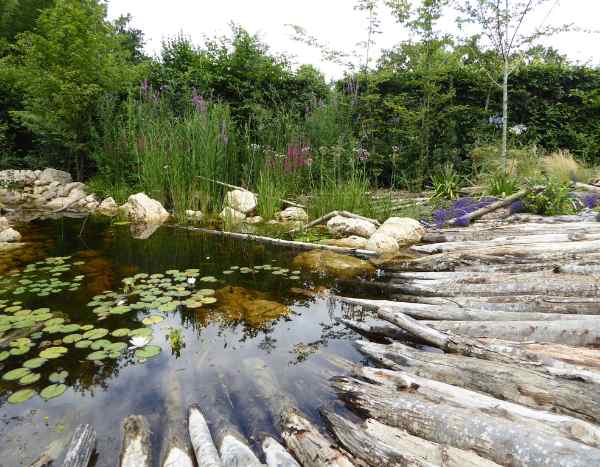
309 445
578 268
201 439
81 447
554 424
494 206
235 452
51 454
278 241
176 450
383 445
332 214
136 450
375 331
276 455
512 382
586 187
577 333
502 441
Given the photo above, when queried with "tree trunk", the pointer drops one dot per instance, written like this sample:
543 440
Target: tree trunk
202 442
504 150
136 450
81 448
276 455
176 449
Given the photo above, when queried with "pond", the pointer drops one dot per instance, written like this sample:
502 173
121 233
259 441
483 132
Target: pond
112 326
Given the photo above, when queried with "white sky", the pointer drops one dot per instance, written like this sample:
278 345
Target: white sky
334 22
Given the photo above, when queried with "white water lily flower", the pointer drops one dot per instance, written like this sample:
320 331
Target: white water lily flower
191 280
139 341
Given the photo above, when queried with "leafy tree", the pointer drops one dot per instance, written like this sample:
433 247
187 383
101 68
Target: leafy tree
65 66
132 39
17 16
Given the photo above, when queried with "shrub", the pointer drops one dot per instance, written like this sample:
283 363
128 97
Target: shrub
554 200
561 165
502 184
446 183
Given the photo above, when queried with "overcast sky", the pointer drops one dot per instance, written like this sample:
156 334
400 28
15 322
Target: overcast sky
334 22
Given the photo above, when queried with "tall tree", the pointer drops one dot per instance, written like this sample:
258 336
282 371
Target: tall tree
507 26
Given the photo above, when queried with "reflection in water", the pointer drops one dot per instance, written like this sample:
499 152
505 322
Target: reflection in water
264 326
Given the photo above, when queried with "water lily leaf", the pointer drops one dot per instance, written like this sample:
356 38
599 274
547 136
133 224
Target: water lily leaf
20 350
95 334
100 344
72 338
20 342
192 303
153 319
30 379
52 391
141 332
120 332
148 352
24 323
168 307
208 300
21 396
205 292
208 279
83 344
53 352
55 322
4 355
34 363
120 310
99 355
18 373
58 376
70 328
116 347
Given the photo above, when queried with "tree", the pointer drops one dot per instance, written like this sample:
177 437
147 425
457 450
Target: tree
504 24
65 66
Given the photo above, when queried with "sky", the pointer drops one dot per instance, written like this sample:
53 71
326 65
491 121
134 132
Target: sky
334 22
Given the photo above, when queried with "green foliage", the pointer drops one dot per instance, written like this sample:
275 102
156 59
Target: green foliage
552 201
446 183
502 184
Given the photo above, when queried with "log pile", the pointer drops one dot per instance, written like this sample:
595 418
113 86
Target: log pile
485 353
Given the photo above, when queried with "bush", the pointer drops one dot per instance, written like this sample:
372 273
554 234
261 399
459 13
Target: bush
446 183
554 200
561 165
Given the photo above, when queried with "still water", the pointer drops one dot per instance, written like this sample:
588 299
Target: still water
223 315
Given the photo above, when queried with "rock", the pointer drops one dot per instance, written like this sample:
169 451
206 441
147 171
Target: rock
232 216
141 231
404 230
108 207
194 215
140 208
18 178
9 235
354 241
383 244
241 201
293 214
340 226
254 220
66 190
52 175
334 264
3 224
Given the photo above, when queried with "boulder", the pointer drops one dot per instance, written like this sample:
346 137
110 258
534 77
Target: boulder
18 178
333 264
108 207
3 224
10 236
52 175
232 216
241 201
142 231
194 215
250 306
404 230
140 208
293 214
254 220
354 241
340 226
383 244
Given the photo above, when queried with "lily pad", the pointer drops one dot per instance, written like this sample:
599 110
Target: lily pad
208 300
153 319
58 376
21 396
141 332
4 355
34 363
16 374
52 391
116 347
120 332
100 344
53 352
99 355
120 310
84 344
95 334
30 379
149 351
20 350
72 338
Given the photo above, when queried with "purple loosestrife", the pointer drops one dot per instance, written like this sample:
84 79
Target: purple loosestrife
463 221
517 206
590 201
198 101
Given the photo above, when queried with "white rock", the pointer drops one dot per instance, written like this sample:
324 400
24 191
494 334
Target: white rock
52 175
65 190
140 208
354 241
340 226
404 230
18 177
292 214
383 244
108 207
194 215
9 235
242 201
3 224
254 220
232 216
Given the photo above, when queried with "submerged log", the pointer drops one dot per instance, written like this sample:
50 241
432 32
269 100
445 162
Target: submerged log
276 455
201 439
511 382
309 445
81 447
383 445
136 450
502 441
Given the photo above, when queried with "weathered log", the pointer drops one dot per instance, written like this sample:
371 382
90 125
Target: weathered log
278 241
502 441
494 206
201 439
581 356
276 455
512 382
383 445
375 331
136 450
50 455
81 447
176 450
577 333
235 452
310 446
586 187
554 424
579 268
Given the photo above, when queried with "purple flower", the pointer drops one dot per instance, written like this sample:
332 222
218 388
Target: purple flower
145 87
463 221
590 201
198 101
517 206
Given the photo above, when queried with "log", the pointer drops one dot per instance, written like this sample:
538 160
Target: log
81 447
512 382
50 455
136 450
375 331
201 439
494 206
176 448
235 452
577 333
383 445
278 241
309 445
554 424
502 441
332 214
276 455
586 187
